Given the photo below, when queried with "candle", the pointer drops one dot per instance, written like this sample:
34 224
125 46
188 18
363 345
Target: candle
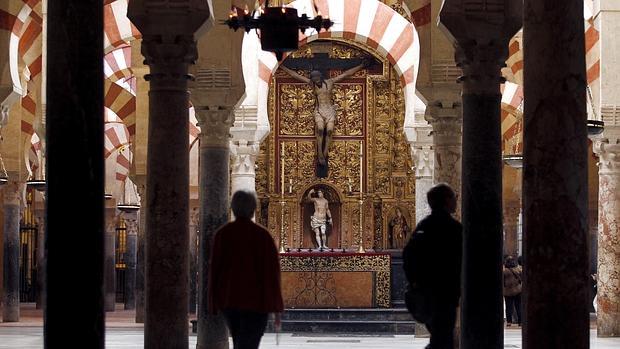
361 166
290 185
282 169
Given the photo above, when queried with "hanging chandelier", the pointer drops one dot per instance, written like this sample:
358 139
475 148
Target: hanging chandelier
277 27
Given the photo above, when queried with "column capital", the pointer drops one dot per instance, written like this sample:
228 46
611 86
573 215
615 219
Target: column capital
447 124
215 123
14 193
243 155
423 159
131 222
608 151
169 59
481 30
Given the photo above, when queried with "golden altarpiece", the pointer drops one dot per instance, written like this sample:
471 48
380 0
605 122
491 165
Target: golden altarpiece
370 114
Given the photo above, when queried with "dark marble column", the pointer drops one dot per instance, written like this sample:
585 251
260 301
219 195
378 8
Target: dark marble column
131 222
74 126
109 265
167 260
194 221
214 186
140 249
41 260
555 187
482 48
169 47
10 309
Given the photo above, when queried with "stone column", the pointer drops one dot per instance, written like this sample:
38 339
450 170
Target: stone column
215 123
109 264
555 173
481 37
447 123
194 222
10 300
41 260
423 157
511 228
243 156
140 248
74 121
169 47
608 292
131 249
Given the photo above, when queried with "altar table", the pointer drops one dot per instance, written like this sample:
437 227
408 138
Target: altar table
335 280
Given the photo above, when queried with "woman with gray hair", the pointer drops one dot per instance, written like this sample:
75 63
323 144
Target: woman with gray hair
244 274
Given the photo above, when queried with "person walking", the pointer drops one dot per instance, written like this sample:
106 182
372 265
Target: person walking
432 262
244 274
512 290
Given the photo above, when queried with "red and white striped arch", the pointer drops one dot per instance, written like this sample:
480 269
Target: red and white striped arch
514 73
117 152
512 112
369 22
117 64
118 30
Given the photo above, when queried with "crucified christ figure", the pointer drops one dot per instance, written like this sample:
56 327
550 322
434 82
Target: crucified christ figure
324 109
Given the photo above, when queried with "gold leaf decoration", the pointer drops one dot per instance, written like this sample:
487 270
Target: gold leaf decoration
296 109
349 116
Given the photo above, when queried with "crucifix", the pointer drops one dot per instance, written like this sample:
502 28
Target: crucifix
324 109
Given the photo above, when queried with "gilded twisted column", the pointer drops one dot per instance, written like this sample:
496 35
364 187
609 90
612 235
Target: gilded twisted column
555 176
215 123
12 200
608 291
481 34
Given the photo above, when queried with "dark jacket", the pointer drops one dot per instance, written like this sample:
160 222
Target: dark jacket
432 257
244 272
512 281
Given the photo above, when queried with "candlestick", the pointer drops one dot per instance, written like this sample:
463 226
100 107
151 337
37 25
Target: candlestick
360 248
282 204
290 185
282 169
361 166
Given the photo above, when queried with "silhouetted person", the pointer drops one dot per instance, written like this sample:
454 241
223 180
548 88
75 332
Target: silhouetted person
244 274
512 290
432 263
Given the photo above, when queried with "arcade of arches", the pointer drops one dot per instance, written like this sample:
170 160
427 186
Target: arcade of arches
135 173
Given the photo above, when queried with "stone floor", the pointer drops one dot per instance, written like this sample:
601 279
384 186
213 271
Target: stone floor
123 333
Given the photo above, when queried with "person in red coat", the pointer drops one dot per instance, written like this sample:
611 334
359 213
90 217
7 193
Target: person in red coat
244 274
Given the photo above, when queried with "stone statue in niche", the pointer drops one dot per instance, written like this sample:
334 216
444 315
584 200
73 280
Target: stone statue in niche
324 109
320 218
398 230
